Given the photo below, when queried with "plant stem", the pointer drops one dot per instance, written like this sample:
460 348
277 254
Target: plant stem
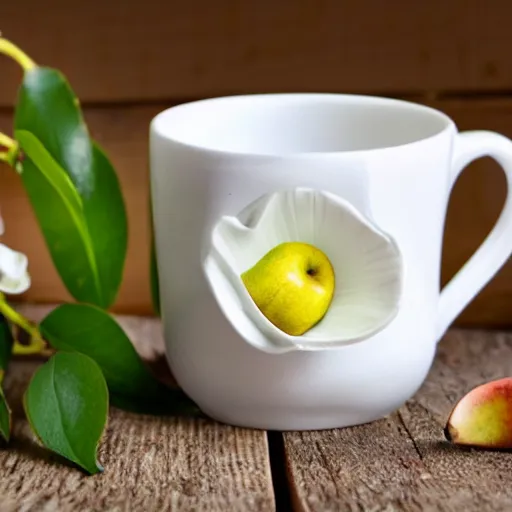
37 343
6 141
11 50
11 155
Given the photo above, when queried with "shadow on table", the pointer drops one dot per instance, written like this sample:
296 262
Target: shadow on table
444 448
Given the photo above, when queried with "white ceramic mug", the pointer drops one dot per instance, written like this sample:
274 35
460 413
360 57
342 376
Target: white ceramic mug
390 162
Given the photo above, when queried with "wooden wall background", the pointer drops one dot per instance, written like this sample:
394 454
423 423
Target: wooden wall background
128 60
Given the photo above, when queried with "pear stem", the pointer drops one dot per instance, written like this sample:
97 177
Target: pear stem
11 50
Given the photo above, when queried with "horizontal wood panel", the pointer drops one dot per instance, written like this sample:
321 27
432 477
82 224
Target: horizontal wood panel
125 50
123 131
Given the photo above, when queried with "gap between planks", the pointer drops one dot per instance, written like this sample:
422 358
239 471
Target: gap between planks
403 462
437 97
152 463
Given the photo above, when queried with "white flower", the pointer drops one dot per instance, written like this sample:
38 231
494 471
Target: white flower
366 261
14 278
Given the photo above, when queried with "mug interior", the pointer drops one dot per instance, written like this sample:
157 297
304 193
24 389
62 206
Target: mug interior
283 124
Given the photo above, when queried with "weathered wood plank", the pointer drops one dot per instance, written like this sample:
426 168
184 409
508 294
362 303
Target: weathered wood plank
151 463
402 462
130 50
123 131
475 480
352 469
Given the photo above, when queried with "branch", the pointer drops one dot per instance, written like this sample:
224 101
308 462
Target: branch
11 50
11 155
6 141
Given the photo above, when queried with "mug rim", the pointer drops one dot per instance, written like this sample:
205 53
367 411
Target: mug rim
158 122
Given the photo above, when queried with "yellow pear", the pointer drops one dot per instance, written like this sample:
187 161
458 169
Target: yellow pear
292 285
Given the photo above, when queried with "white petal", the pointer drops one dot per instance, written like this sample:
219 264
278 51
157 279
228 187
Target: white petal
12 263
15 286
14 277
366 261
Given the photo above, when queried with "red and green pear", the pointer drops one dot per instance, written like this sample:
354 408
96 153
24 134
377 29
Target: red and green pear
483 418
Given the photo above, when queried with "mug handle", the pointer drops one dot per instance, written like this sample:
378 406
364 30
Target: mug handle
497 247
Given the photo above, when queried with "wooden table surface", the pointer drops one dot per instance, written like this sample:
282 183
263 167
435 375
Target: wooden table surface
158 463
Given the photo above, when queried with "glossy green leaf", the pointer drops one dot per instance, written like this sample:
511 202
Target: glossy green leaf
155 285
5 417
52 171
153 268
169 402
105 215
92 331
6 342
67 405
58 208
49 110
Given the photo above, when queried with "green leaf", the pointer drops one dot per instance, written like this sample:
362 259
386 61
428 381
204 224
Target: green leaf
153 273
48 107
105 215
51 171
6 342
153 268
5 417
171 402
155 287
92 331
49 110
57 206
67 405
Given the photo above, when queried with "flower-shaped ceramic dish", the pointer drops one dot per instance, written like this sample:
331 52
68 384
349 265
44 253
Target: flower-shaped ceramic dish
366 261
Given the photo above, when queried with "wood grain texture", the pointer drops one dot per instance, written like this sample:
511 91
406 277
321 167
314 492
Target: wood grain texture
126 50
399 463
151 463
403 462
123 131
